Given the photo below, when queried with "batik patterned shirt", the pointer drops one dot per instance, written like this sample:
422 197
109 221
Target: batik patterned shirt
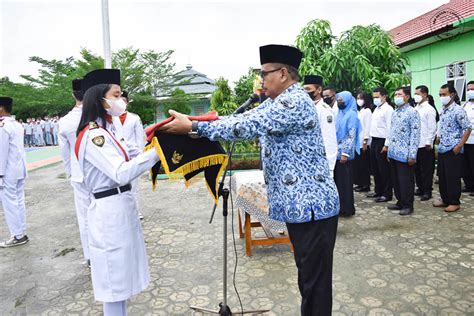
453 122
299 185
405 134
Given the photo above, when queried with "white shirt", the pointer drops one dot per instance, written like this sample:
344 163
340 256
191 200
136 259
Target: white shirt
469 108
381 122
131 131
68 125
12 149
365 117
327 121
428 124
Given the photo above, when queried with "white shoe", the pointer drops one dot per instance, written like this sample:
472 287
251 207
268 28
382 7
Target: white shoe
13 241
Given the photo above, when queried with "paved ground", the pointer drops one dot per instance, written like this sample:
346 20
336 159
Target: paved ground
384 264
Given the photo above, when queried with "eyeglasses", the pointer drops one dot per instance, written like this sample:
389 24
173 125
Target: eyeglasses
263 73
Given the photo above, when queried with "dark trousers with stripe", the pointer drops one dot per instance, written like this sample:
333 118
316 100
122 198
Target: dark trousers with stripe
344 184
468 166
361 168
449 173
424 170
403 177
381 168
313 244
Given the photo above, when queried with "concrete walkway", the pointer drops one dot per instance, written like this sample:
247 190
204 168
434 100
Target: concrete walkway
385 264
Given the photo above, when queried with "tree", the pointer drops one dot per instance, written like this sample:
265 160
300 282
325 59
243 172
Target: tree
179 102
363 58
244 86
222 99
145 106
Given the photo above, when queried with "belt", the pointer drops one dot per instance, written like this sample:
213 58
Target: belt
114 191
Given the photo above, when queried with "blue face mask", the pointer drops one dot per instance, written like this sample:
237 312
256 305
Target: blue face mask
399 101
378 101
470 94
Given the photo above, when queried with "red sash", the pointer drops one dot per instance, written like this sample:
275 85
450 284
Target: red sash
81 135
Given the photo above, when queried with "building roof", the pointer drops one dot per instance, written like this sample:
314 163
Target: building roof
439 20
191 82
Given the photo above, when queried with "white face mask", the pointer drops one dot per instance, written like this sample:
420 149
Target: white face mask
399 101
378 101
445 100
117 107
360 102
470 94
417 98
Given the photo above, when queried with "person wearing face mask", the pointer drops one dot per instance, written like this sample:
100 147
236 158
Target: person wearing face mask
67 139
402 149
362 161
119 266
329 97
348 128
424 168
454 130
128 128
380 131
313 86
468 156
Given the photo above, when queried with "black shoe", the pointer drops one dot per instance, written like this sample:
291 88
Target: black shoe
418 192
382 199
394 207
425 197
372 195
471 194
406 211
362 189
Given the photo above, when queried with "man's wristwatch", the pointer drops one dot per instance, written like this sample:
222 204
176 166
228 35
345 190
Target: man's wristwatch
194 130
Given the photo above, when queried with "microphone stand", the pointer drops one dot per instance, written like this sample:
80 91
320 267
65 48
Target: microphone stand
224 309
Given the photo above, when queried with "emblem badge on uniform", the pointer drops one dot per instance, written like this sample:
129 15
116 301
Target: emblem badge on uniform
93 125
98 140
176 158
329 118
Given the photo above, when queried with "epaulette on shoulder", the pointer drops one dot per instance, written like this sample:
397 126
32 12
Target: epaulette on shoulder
93 125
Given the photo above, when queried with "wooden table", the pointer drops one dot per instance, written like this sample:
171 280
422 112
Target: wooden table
250 195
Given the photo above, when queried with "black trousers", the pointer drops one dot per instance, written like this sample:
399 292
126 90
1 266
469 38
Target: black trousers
424 170
361 168
313 243
381 168
449 173
344 184
403 177
468 166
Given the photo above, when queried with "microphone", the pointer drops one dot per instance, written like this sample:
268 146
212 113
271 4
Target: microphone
250 101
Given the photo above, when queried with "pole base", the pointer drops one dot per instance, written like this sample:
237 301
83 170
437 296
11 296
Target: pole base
226 311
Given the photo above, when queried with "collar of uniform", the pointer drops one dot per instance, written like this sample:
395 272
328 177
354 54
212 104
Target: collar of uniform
288 90
423 104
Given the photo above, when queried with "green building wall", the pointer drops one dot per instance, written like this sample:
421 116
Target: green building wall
428 63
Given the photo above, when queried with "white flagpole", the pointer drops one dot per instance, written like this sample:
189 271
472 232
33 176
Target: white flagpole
106 34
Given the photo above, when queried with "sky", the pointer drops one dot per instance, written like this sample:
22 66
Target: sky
218 38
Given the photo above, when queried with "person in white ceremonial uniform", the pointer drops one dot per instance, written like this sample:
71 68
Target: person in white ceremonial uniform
313 85
67 139
12 175
380 132
128 128
119 266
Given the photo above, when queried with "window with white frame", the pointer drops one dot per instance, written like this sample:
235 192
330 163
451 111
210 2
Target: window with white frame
456 75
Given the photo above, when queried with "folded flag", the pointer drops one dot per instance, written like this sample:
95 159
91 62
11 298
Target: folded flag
186 157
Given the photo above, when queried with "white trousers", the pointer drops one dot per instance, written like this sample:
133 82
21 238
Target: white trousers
135 192
13 202
82 200
115 308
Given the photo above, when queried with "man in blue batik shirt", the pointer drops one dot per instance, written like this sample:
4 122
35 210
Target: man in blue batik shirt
402 150
453 131
301 191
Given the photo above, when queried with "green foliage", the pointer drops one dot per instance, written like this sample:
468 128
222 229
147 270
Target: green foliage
179 101
363 58
244 87
144 105
222 99
50 93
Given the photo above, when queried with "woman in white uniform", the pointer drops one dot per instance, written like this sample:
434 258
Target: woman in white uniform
118 257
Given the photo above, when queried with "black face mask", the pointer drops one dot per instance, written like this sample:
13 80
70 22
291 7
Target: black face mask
328 100
341 105
311 95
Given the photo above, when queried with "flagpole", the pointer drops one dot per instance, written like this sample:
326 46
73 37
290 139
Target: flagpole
106 34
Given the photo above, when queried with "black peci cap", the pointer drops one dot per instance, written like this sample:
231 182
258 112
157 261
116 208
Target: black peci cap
100 76
281 54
